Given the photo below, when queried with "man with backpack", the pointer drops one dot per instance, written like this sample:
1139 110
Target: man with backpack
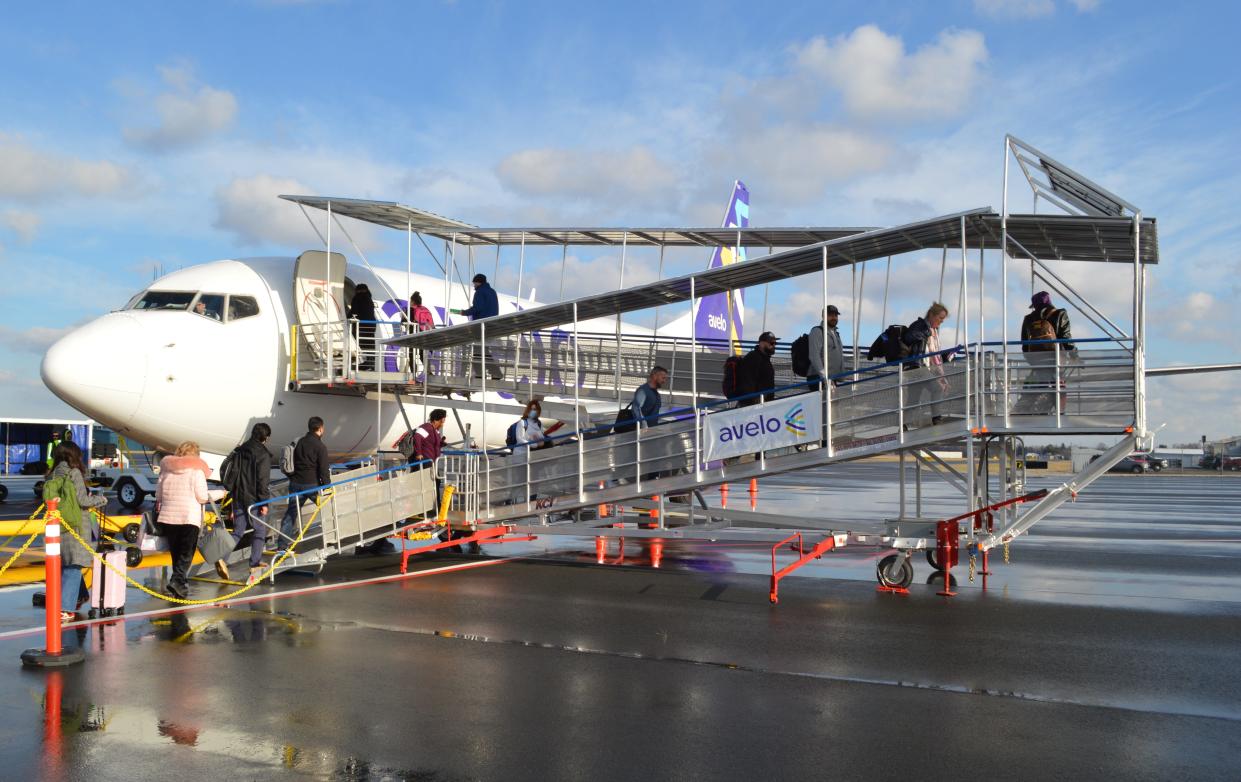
835 350
247 474
756 372
310 471
1044 324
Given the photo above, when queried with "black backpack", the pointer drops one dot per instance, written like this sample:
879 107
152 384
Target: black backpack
230 470
890 345
732 365
510 437
800 353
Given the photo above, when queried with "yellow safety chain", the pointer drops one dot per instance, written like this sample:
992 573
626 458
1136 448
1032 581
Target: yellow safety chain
973 566
1006 552
218 598
29 540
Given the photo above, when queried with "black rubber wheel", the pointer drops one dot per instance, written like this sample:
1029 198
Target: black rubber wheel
133 557
38 490
120 611
937 577
931 558
4 492
895 570
128 494
1137 468
92 614
108 612
130 533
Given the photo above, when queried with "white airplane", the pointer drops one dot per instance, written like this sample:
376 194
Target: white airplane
203 354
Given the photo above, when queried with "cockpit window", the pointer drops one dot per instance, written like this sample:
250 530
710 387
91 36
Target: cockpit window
165 300
210 305
242 307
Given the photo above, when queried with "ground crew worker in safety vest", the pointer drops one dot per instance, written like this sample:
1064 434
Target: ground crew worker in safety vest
58 438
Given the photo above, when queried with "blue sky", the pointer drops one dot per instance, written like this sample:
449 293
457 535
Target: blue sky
156 135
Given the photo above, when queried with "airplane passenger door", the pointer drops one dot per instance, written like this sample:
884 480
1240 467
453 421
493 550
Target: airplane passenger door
319 295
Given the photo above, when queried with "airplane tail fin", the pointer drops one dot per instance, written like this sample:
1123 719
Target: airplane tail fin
719 319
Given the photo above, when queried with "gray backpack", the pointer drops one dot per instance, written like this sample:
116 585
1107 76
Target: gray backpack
286 459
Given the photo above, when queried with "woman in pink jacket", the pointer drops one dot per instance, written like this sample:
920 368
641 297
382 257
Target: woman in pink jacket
181 493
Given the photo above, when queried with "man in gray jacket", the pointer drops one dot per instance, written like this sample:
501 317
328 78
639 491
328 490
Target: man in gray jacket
835 351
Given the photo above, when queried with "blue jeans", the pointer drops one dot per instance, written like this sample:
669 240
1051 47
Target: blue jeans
72 587
241 523
289 526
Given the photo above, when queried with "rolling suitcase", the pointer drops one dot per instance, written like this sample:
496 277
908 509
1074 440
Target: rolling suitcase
107 588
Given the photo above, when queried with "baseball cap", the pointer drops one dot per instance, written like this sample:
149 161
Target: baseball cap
1040 300
831 310
480 278
767 336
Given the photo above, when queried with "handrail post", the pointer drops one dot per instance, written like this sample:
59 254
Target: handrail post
693 374
1055 385
1004 285
900 403
54 655
577 416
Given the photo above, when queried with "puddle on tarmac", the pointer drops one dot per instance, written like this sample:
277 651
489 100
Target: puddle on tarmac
236 626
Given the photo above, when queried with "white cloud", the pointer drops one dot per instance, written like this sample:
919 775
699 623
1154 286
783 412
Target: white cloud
603 175
30 174
36 339
24 224
186 114
1019 9
795 162
1085 6
878 79
249 209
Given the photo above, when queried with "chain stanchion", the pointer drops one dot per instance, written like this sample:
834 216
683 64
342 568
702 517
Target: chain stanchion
219 598
54 655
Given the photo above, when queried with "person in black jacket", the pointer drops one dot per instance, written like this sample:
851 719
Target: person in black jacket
253 471
310 471
362 309
1044 322
486 304
756 372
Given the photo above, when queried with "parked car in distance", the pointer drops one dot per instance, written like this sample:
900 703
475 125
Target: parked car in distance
1157 464
1232 463
1209 462
1134 463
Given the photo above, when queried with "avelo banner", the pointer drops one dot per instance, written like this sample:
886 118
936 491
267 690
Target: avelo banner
776 424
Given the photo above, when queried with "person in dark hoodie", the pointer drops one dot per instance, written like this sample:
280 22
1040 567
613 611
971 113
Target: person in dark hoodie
756 372
253 469
486 305
310 471
362 309
181 493
65 482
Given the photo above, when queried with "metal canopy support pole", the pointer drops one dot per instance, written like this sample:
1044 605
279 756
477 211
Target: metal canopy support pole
943 267
982 337
497 274
887 282
659 275
620 287
564 259
448 267
1004 288
825 388
577 416
329 304
1139 331
693 376
969 421
521 268
857 316
482 376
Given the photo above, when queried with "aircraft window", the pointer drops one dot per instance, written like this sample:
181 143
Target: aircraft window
165 300
242 307
210 305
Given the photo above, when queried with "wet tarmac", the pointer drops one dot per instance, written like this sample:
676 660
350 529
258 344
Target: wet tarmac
1109 647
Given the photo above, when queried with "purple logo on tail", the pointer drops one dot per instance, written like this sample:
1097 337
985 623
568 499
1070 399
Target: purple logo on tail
720 318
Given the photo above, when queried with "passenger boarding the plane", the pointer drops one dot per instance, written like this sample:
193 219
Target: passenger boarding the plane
362 309
926 378
486 305
646 401
835 351
529 431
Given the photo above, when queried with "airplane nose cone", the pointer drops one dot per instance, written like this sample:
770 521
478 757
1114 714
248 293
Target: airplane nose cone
99 369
